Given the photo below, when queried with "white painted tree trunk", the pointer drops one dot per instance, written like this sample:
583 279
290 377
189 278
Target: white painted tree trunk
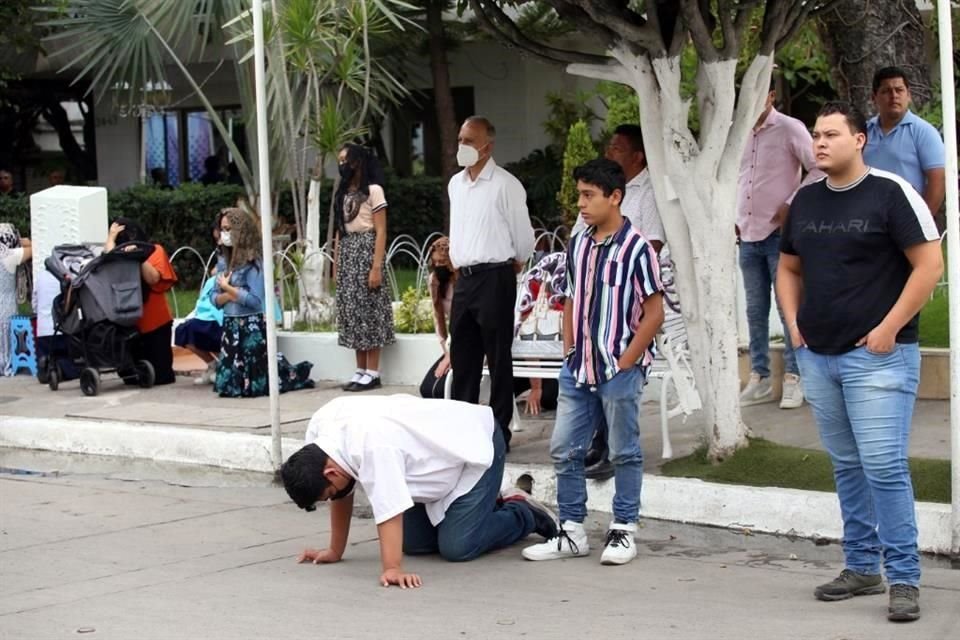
695 183
316 304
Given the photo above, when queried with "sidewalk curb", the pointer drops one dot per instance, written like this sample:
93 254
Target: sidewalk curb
806 514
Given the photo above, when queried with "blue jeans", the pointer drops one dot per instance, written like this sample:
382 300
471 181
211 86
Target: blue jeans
863 403
474 523
579 410
758 264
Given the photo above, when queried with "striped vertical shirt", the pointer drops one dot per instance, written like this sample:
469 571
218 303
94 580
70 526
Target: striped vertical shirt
609 282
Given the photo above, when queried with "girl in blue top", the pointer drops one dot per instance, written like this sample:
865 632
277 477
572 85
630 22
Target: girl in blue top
239 291
242 371
201 334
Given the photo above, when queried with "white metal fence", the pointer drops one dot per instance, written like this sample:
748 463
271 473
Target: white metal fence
404 254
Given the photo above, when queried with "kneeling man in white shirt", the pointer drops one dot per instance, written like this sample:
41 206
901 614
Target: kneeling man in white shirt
432 470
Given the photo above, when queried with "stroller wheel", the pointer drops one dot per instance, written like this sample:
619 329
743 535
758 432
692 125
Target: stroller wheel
43 369
53 378
145 374
90 381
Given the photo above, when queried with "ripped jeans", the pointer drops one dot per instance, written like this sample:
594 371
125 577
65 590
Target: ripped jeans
578 412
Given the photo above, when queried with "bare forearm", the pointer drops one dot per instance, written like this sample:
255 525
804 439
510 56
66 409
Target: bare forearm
789 289
391 542
380 244
935 190
149 273
222 299
341 512
915 294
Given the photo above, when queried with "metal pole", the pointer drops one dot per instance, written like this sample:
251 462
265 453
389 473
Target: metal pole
266 226
949 100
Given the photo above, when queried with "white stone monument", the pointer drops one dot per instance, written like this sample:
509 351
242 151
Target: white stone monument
62 215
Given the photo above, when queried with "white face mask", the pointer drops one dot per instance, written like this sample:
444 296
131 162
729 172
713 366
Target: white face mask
468 156
225 239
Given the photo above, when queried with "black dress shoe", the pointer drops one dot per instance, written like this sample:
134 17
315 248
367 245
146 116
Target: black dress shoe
348 386
359 386
594 455
602 470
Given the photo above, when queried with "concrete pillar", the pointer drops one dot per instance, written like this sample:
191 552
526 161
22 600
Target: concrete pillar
61 215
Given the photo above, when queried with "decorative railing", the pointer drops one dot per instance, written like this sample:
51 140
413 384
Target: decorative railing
404 254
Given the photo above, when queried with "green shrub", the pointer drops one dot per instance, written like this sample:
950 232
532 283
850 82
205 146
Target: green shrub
184 216
540 173
16 210
414 314
579 150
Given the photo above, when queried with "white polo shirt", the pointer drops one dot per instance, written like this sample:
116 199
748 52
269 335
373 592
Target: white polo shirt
403 449
489 221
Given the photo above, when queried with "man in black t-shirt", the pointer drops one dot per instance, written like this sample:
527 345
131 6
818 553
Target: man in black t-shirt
859 257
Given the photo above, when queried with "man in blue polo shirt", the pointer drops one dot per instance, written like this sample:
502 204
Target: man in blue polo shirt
901 142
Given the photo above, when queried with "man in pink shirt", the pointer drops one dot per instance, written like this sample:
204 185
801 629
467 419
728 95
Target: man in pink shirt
778 152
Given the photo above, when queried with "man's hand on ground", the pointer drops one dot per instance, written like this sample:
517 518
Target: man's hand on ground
318 556
401 579
533 402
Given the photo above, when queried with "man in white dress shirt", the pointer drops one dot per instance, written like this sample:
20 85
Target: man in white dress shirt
639 204
490 239
432 470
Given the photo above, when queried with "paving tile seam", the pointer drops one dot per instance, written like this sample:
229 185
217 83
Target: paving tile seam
181 578
128 529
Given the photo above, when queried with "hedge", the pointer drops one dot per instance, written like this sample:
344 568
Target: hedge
183 216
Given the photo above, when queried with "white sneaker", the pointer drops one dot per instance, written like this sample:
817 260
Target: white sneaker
620 547
570 542
209 376
792 397
757 391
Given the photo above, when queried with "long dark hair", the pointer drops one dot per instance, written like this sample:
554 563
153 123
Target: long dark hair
366 165
444 273
133 231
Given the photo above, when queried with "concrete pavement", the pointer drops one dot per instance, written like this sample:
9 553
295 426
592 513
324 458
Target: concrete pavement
116 549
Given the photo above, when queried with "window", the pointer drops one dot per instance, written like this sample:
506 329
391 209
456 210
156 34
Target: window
179 142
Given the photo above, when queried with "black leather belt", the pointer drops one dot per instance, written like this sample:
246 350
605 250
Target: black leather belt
485 266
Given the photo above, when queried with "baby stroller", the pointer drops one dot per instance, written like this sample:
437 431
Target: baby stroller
100 302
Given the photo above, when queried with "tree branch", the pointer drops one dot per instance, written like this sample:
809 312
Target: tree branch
774 18
630 27
493 20
731 41
663 17
699 31
611 70
795 21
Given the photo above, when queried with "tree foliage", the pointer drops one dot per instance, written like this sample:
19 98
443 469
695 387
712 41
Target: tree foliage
579 149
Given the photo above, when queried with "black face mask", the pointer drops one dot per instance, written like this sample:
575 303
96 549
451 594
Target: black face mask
343 493
346 172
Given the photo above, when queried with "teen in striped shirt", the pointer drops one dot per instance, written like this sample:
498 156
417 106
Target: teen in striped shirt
612 312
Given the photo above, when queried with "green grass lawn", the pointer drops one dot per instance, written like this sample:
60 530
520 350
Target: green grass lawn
767 464
935 321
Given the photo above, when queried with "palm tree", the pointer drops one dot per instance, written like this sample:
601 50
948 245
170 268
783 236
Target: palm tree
324 77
